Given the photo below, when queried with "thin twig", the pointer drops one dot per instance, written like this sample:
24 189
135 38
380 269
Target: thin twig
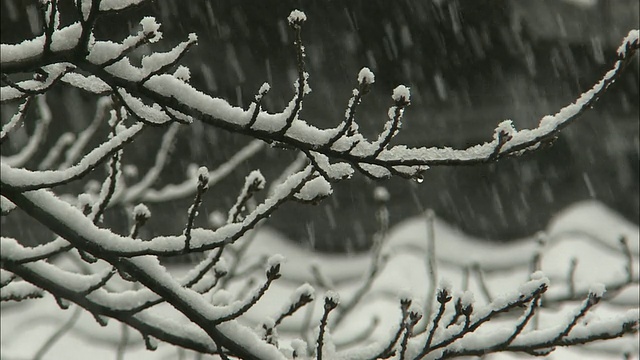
58 334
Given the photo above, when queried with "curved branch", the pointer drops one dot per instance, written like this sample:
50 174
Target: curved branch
18 179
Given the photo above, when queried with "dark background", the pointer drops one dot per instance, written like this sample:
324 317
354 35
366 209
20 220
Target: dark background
470 65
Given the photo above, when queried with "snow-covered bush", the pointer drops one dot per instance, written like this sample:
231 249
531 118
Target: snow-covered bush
205 309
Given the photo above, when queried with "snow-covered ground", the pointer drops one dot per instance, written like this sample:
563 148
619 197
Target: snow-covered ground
587 232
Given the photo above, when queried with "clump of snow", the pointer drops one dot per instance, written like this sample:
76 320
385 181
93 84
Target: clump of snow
120 128
401 94
507 127
467 299
113 5
221 267
269 322
303 290
20 290
151 28
338 171
631 38
84 200
86 7
307 88
256 179
203 173
274 261
376 171
445 285
538 275
182 73
299 347
141 211
405 295
89 83
332 297
537 281
153 113
597 289
38 83
296 17
7 205
366 76
66 38
5 276
314 190
264 88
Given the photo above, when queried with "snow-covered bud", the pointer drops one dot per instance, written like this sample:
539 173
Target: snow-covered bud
405 299
141 213
264 89
268 323
366 76
331 300
203 178
304 293
415 314
221 268
596 292
307 88
630 41
299 347
444 293
151 29
365 79
296 18
255 180
314 190
505 129
401 95
273 266
270 334
120 128
464 304
467 299
85 202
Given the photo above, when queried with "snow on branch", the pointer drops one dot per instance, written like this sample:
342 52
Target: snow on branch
118 274
20 290
22 179
36 139
152 84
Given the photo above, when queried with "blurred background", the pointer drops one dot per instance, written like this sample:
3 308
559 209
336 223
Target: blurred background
470 65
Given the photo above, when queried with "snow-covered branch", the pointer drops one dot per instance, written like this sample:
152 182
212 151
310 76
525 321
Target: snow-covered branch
121 275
